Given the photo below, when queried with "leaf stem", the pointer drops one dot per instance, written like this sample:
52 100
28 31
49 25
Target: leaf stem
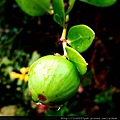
64 44
63 36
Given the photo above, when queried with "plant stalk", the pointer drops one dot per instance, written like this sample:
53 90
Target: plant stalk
63 36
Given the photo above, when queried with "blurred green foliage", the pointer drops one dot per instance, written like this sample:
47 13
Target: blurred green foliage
21 42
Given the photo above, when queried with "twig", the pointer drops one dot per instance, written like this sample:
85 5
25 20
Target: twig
63 36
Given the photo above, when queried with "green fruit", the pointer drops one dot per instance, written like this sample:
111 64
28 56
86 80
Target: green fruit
53 80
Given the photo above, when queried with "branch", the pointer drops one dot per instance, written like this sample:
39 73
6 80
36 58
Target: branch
63 36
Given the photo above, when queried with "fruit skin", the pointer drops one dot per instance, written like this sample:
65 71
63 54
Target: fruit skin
52 80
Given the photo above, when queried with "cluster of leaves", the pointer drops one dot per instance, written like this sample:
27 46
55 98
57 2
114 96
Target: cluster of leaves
79 37
38 8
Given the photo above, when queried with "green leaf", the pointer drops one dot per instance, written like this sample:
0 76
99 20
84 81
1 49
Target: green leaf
35 56
71 4
77 60
59 12
80 37
34 7
100 3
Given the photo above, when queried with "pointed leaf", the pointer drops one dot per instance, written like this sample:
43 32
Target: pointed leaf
71 4
77 60
80 37
100 3
34 7
59 12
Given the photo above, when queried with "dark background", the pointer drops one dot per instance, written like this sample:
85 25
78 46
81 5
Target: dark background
101 84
